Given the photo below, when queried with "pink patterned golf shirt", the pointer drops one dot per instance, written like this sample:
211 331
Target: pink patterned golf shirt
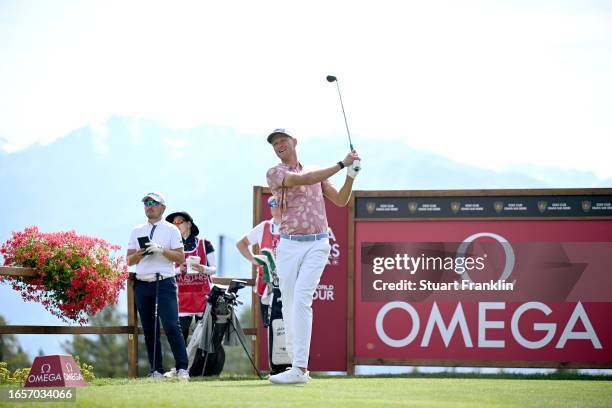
303 209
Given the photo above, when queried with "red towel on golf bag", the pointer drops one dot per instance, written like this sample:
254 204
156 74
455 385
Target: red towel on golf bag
270 241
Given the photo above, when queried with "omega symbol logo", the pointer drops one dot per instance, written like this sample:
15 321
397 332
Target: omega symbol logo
508 251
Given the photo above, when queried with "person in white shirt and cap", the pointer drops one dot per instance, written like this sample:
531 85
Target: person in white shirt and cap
155 287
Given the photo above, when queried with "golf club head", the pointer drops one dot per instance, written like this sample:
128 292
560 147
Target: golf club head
331 78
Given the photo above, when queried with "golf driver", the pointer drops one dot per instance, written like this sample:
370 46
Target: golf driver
331 78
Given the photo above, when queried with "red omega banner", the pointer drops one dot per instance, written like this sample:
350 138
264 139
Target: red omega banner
328 347
514 292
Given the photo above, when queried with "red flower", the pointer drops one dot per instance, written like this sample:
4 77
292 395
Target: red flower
77 275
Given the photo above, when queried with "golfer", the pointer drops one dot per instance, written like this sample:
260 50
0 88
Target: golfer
155 285
304 245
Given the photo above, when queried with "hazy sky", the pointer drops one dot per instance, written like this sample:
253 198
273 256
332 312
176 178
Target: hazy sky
490 83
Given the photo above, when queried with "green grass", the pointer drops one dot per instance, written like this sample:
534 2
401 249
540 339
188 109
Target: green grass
353 392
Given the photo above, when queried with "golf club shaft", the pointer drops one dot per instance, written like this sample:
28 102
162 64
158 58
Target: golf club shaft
155 324
331 78
344 115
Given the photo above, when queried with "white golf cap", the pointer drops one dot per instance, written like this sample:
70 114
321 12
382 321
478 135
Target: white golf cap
155 196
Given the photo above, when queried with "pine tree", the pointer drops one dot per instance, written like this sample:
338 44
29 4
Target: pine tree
11 352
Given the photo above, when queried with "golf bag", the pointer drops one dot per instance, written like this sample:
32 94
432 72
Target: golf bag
218 326
277 350
198 357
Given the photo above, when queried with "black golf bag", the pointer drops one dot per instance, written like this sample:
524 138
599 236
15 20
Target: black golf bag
218 326
214 363
214 359
278 358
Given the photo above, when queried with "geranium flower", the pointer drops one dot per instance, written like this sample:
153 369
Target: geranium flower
77 275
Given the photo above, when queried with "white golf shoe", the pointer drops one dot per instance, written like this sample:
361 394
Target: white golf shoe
156 374
183 375
293 375
170 374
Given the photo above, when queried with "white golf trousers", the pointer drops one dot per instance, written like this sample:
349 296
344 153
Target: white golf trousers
300 266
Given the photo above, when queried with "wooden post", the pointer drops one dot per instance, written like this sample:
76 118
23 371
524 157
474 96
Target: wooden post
255 310
350 298
17 271
133 331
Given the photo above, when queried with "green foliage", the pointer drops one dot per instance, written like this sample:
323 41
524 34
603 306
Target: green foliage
17 377
87 370
11 351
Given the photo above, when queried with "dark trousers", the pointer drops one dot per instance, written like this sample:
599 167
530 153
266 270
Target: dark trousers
186 324
167 310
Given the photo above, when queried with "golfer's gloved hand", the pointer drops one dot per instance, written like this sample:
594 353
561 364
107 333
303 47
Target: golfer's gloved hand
354 169
154 248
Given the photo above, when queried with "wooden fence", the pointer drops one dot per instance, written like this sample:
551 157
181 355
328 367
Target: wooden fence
132 329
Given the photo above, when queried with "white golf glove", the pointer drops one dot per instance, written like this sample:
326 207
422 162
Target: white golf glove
154 248
354 169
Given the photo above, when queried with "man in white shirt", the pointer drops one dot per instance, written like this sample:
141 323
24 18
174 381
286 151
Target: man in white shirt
155 287
266 235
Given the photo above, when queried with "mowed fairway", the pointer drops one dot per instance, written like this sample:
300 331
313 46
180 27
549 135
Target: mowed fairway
345 392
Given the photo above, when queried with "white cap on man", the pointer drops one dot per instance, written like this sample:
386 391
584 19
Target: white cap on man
155 196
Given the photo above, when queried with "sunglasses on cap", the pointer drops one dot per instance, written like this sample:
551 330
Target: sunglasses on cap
178 221
151 203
